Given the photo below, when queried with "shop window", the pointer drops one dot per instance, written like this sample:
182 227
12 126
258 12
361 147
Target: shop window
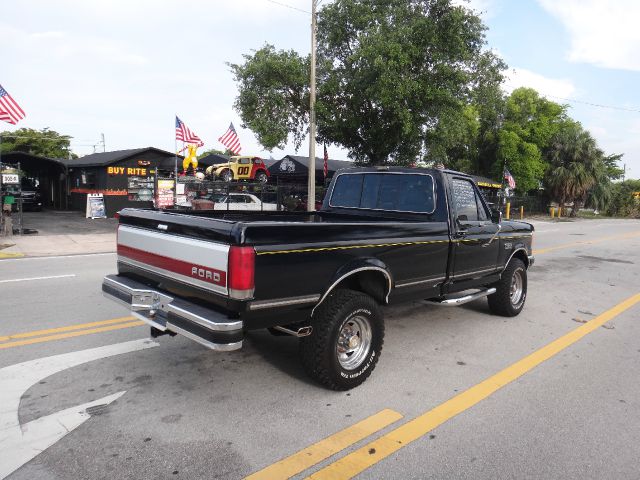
140 189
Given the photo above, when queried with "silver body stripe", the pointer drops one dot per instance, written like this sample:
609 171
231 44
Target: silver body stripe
283 302
198 252
434 280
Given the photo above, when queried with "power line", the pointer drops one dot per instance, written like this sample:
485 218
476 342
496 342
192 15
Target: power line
583 102
290 6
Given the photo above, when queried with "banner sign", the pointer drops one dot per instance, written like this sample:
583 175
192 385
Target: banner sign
95 206
164 194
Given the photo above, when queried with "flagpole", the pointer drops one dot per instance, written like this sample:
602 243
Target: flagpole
504 169
311 195
175 167
1 196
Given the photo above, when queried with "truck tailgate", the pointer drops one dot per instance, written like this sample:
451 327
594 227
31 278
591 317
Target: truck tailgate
188 260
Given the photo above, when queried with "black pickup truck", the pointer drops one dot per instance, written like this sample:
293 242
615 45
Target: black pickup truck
383 235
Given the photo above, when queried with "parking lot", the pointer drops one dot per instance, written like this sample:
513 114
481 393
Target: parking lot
458 393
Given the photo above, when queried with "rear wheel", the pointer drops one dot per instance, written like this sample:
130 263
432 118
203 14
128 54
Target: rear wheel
261 177
347 338
511 290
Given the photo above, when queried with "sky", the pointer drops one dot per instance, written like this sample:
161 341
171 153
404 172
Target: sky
125 68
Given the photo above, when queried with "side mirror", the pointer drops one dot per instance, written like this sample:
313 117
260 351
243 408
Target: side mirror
496 216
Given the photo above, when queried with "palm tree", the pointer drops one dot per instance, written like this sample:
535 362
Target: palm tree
575 165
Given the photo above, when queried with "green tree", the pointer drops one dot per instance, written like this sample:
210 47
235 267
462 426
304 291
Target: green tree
523 159
575 166
612 168
529 124
490 102
388 70
273 98
214 151
453 141
45 142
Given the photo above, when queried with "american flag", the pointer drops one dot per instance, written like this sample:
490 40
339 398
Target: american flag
326 160
230 140
509 178
185 135
10 111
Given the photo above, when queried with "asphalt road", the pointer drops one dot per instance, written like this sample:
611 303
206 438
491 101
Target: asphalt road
449 409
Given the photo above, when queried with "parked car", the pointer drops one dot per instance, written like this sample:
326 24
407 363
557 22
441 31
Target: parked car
240 168
240 201
29 195
383 236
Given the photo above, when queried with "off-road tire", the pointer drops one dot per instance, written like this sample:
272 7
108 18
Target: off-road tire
226 175
262 177
503 302
319 351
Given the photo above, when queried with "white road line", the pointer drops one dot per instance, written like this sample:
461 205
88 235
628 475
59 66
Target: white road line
37 278
17 447
24 259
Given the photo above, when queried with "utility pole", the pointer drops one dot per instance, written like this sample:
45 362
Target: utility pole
311 194
104 146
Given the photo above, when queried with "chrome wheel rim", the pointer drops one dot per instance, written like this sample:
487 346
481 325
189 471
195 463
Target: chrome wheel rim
517 287
354 342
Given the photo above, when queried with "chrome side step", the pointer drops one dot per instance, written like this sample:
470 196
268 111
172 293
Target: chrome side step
454 302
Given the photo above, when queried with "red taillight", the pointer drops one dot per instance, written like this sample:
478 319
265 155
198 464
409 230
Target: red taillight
241 269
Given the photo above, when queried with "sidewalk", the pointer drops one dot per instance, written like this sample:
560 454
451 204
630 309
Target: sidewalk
47 245
60 233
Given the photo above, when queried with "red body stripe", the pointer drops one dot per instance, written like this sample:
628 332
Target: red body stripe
192 270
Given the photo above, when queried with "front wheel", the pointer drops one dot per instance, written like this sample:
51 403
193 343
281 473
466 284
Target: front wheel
511 290
227 175
347 338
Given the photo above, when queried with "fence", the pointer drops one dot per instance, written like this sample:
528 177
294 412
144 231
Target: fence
532 205
204 194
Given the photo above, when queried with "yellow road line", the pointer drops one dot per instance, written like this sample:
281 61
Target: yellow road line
78 326
316 453
585 242
363 458
60 336
11 255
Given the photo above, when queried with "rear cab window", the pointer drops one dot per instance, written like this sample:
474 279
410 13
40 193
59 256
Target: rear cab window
402 192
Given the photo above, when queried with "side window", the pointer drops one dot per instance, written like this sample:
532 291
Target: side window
464 200
347 190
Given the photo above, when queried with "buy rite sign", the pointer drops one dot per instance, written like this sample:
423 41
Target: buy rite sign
141 172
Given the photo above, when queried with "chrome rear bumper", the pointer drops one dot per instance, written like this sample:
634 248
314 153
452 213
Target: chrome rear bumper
164 311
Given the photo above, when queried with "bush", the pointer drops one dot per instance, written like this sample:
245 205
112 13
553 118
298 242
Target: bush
623 202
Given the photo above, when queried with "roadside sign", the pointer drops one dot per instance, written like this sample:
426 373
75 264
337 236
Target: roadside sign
10 178
164 193
95 206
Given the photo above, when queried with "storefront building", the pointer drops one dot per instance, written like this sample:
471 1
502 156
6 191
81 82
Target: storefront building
125 178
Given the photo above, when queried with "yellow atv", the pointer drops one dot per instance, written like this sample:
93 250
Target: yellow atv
240 168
